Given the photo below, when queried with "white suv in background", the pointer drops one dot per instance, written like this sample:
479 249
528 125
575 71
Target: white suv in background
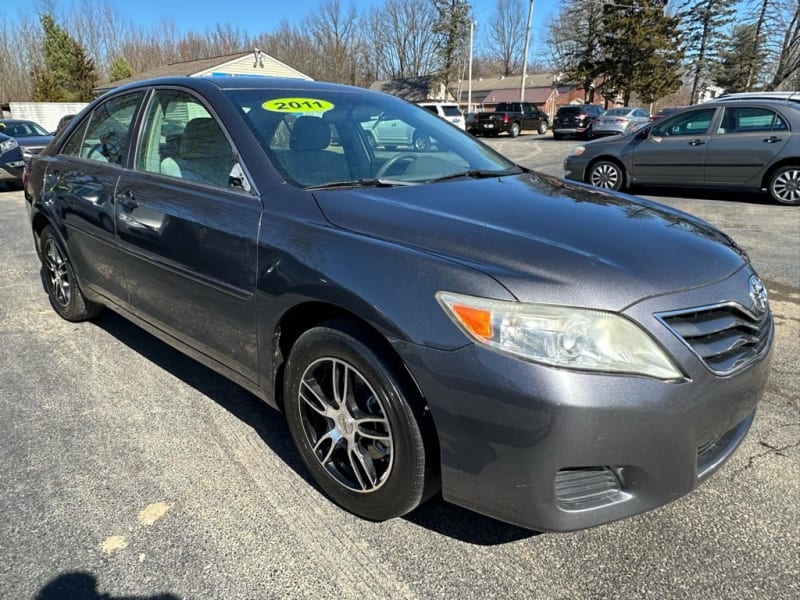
447 110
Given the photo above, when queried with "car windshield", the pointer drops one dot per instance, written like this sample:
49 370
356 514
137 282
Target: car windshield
341 138
22 128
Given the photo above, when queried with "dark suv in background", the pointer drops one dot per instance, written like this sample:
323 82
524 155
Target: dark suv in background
576 119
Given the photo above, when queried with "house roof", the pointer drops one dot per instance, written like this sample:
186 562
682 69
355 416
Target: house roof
538 95
532 80
413 89
240 63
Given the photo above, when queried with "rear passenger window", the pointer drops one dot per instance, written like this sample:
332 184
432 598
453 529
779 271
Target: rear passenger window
750 119
105 133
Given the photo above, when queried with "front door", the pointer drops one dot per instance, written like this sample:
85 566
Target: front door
188 236
675 149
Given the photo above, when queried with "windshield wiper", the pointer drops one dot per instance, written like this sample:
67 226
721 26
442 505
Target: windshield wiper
477 174
354 183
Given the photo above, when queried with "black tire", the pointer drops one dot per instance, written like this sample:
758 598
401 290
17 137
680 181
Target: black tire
513 131
784 185
421 143
589 133
557 136
606 174
542 128
65 295
381 468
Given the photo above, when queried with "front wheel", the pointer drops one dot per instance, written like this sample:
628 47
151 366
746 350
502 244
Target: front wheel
60 282
357 424
606 174
784 185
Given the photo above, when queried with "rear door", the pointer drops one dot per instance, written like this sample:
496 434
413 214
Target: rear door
188 231
81 181
674 151
744 144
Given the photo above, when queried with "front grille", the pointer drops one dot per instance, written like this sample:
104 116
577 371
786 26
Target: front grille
585 488
726 337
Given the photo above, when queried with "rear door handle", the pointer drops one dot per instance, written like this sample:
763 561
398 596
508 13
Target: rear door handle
696 143
772 139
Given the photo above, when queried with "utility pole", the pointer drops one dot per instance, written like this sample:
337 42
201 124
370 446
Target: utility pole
469 74
525 54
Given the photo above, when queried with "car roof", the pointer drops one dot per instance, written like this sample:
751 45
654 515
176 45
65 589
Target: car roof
791 96
243 82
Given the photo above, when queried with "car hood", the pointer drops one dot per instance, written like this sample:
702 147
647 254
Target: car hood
545 239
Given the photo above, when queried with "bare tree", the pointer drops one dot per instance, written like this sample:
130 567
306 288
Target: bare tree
400 37
785 34
505 36
335 35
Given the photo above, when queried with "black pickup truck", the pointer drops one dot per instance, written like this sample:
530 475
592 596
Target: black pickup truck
510 117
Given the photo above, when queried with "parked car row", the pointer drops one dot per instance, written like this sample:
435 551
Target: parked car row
742 142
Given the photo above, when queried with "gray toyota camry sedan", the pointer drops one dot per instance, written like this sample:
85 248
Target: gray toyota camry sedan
429 316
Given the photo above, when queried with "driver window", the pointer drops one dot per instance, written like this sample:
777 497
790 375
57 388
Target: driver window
182 139
693 123
104 136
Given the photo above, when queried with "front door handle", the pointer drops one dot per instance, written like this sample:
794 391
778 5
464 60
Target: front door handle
772 139
696 143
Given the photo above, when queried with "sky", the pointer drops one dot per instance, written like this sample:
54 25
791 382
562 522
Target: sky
266 15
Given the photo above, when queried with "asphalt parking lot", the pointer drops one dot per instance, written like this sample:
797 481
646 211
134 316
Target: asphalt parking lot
130 470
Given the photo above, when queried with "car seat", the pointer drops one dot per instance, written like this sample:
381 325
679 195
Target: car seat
307 160
205 154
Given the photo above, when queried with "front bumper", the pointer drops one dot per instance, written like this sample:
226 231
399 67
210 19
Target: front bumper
575 168
516 436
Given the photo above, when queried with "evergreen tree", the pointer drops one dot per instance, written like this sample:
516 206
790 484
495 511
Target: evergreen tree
641 48
120 69
702 22
742 62
575 39
452 29
68 75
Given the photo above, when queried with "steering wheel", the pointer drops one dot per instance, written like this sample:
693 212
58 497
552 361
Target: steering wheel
97 152
385 167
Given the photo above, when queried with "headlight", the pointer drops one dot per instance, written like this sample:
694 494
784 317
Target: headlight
8 145
561 336
577 150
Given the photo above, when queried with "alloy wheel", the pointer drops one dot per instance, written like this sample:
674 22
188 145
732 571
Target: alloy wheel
786 186
606 175
57 274
345 425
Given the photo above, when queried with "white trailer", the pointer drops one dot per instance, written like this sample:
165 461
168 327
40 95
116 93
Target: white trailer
46 114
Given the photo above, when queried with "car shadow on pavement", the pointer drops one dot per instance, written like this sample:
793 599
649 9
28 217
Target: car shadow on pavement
79 585
435 515
728 194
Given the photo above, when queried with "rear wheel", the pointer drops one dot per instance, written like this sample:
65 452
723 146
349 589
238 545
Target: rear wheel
606 174
60 282
784 185
357 424
542 128
513 131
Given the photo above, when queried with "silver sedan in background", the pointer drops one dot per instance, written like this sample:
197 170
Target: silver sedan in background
617 121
